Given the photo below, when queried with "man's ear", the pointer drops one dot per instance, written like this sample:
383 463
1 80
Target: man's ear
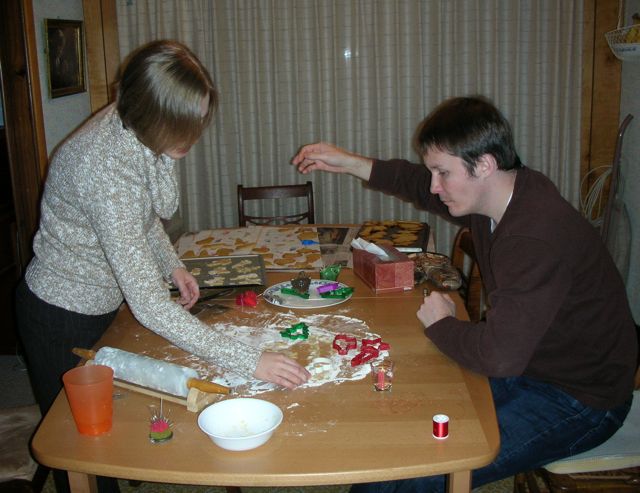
486 165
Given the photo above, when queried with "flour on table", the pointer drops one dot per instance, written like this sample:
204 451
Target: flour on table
316 352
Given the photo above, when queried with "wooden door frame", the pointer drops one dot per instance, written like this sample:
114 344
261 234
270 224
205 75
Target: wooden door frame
103 53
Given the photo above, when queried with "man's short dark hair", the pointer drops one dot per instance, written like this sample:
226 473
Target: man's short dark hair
469 127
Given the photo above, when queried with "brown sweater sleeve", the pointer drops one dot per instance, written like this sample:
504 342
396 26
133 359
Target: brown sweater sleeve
529 276
407 181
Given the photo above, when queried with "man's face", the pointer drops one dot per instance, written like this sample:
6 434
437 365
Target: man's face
452 183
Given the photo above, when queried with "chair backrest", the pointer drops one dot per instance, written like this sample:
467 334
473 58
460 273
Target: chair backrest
463 258
276 192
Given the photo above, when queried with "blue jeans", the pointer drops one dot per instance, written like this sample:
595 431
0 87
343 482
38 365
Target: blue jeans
539 423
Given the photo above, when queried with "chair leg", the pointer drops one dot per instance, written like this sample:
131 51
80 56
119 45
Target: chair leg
526 482
39 478
519 483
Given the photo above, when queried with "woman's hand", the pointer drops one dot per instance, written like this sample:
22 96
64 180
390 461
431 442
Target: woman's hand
188 287
327 157
281 370
436 306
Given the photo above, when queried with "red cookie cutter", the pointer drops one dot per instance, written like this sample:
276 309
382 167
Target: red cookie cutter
377 343
367 353
369 348
349 343
248 298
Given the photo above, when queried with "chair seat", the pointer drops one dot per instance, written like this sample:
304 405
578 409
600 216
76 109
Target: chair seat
621 451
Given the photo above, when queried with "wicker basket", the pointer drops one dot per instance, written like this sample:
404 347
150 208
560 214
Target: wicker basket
625 42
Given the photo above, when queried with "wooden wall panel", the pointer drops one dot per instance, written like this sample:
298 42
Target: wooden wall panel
601 86
111 43
102 50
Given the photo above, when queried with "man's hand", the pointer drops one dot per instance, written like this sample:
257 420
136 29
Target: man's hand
188 287
436 306
327 157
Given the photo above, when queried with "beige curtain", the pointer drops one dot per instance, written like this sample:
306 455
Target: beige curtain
362 74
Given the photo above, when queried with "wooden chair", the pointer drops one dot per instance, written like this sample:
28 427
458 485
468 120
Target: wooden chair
277 192
611 467
463 258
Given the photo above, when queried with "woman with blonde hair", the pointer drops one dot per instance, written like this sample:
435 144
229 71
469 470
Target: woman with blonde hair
101 239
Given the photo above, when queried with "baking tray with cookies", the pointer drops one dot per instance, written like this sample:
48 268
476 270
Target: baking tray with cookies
406 236
226 271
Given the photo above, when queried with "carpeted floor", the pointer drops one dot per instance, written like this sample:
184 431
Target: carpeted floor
16 391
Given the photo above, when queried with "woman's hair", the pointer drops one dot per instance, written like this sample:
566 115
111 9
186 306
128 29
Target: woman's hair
469 127
160 93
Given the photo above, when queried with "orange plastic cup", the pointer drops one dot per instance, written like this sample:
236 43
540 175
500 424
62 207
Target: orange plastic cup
89 390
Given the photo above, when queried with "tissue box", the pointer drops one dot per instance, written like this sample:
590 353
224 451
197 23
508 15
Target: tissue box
383 276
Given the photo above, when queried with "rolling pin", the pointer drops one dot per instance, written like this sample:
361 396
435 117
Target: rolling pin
149 372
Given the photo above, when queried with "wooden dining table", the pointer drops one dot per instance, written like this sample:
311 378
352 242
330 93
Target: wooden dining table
333 434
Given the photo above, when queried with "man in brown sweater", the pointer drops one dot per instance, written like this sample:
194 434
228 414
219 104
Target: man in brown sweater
559 342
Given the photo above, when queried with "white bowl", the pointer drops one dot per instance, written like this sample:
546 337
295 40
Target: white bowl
240 424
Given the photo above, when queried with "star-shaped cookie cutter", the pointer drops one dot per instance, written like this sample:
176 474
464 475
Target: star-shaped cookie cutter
297 331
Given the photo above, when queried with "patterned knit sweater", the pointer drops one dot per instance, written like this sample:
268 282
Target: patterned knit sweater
101 239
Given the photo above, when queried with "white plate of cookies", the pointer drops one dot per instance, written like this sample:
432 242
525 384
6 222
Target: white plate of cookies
275 296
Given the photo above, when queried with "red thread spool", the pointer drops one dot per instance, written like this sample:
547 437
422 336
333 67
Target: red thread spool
440 426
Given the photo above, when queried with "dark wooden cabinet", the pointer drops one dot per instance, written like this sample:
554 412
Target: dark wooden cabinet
23 155
9 265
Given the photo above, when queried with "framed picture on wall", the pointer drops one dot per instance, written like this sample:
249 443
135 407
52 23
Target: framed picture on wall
65 57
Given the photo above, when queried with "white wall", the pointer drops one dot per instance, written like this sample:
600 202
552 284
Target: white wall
630 164
61 115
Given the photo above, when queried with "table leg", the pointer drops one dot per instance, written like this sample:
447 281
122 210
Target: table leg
459 482
82 483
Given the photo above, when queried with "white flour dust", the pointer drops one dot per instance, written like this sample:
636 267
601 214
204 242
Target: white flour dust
316 352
